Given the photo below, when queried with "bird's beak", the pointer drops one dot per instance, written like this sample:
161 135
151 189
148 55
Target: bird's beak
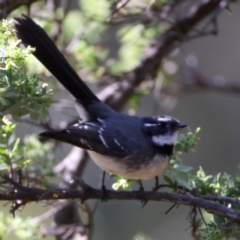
181 126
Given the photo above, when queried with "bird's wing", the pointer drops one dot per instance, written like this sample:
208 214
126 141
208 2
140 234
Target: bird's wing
93 136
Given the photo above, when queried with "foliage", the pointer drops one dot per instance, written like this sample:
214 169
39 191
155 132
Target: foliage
12 152
20 227
21 94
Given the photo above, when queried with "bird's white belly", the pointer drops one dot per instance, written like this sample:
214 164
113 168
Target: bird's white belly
146 171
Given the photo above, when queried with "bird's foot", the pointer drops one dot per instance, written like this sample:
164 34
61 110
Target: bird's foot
156 187
141 195
104 194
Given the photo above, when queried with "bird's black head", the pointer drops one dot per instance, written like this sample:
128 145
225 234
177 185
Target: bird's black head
163 129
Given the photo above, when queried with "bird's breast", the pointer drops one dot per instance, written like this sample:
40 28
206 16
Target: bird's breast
137 170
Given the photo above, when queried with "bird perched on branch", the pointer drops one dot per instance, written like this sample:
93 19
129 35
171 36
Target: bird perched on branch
133 147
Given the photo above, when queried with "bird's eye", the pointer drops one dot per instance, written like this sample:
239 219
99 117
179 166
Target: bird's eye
161 124
164 124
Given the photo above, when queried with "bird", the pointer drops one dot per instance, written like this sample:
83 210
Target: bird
133 147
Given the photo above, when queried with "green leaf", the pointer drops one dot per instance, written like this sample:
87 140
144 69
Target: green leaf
184 168
16 145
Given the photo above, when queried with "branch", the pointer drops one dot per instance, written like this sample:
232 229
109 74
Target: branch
7 6
163 45
27 194
200 83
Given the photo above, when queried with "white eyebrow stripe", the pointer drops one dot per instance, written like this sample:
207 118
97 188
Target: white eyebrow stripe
164 119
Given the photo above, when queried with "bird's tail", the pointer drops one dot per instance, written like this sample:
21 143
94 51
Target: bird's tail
48 54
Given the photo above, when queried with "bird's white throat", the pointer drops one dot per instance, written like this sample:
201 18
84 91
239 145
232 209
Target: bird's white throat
167 139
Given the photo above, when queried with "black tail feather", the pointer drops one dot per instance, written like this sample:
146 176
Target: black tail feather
47 53
67 137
